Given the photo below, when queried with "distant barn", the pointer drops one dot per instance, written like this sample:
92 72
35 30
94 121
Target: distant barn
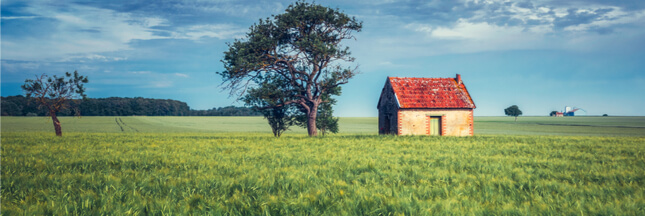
425 106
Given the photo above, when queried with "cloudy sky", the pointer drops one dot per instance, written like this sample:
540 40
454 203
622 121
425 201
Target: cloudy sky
541 55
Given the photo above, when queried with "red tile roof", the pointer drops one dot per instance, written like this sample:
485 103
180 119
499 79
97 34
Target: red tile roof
431 92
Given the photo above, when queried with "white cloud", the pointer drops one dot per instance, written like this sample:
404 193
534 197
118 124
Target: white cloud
220 31
613 18
476 31
81 33
503 26
233 8
18 17
14 67
181 75
91 57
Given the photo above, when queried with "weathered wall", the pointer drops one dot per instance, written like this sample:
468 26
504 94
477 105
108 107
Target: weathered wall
387 111
454 122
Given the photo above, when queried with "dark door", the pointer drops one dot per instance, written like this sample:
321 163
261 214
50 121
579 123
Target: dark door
386 126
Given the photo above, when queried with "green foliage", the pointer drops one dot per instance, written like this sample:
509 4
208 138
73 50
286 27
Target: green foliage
301 46
254 174
325 120
119 106
270 98
56 88
513 111
553 113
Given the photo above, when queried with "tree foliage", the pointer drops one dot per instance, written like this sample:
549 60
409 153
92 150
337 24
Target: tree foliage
52 93
301 46
513 111
269 98
118 106
325 120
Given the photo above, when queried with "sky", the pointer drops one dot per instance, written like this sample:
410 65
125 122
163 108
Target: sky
541 55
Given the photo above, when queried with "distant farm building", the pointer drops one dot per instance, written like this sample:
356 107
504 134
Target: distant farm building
425 106
568 111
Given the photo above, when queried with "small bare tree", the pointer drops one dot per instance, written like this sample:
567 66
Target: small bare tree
52 93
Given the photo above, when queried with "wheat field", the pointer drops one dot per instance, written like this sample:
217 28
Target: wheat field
136 171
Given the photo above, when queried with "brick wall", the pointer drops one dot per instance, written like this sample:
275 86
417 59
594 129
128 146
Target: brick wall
454 122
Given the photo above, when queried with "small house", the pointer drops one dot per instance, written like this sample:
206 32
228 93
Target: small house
425 106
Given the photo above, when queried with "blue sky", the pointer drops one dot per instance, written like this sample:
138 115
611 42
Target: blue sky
541 55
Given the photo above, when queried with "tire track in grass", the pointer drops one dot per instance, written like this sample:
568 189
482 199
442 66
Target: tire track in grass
123 123
117 123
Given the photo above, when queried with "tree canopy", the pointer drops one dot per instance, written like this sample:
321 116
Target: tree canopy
301 46
513 111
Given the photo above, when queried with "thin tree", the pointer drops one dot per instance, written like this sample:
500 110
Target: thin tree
513 111
303 46
53 93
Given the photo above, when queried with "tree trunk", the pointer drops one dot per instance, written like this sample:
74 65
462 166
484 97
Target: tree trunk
59 131
311 121
516 118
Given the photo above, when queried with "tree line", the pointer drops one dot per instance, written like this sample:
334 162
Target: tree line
117 106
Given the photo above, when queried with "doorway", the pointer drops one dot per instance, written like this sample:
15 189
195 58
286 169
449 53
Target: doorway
434 126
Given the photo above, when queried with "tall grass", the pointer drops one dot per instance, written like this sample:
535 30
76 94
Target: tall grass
256 174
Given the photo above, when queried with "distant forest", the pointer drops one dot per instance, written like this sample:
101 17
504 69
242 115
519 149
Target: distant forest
117 106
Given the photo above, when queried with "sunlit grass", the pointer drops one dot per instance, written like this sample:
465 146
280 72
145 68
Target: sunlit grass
256 174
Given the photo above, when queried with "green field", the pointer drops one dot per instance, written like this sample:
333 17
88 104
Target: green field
571 126
232 165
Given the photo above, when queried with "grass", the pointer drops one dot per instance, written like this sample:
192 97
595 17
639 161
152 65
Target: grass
570 126
233 166
252 174
167 124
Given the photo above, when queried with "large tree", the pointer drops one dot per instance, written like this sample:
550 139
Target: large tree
53 93
513 111
303 47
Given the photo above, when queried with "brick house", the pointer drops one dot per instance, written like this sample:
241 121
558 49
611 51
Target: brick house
425 106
